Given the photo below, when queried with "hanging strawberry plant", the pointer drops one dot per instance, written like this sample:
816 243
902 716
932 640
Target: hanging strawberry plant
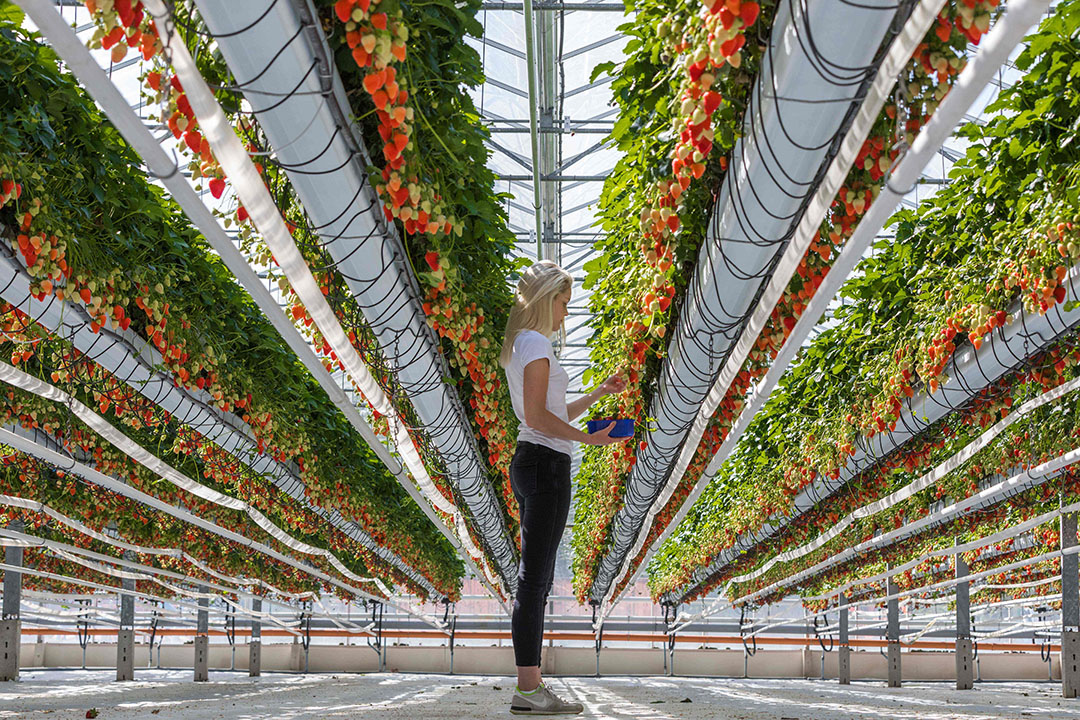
675 214
964 265
147 272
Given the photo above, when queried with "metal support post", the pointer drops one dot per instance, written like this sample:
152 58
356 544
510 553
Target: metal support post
230 634
305 621
255 644
202 640
452 622
749 650
125 636
843 667
670 612
154 617
377 645
598 633
892 634
10 624
1070 610
965 671
83 628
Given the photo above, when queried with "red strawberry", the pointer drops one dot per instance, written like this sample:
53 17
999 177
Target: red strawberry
749 13
343 8
711 101
193 140
154 80
217 187
374 81
432 258
378 20
696 70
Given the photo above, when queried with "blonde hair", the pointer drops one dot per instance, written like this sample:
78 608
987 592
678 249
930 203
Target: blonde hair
536 291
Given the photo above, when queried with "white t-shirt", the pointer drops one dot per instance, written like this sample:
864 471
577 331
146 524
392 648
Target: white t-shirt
530 345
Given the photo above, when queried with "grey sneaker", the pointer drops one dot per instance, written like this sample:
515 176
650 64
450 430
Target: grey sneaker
542 702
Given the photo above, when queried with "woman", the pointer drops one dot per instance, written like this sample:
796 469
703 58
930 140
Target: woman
540 469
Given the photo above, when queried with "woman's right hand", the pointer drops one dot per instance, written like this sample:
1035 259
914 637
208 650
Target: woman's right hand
603 437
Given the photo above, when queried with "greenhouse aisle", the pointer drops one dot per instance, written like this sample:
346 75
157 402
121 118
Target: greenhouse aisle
60 694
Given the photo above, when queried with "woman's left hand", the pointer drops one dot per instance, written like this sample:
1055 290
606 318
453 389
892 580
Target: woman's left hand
613 385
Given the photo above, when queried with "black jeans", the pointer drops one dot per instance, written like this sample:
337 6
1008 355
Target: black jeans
540 479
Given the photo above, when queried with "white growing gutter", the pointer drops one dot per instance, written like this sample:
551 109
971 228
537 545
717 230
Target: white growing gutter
30 447
52 513
761 205
1015 531
17 378
141 571
990 496
333 181
162 166
957 388
133 361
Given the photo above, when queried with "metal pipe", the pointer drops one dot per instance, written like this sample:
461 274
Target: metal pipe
534 135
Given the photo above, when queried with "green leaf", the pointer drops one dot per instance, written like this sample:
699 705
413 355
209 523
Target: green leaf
600 69
11 13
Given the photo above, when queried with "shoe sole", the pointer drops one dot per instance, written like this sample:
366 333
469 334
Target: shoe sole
529 711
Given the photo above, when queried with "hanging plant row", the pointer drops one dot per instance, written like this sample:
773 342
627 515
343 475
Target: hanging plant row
25 477
921 455
674 214
1050 432
1039 541
414 67
964 265
51 360
375 46
146 272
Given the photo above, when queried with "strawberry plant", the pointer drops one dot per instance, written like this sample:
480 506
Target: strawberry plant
701 86
145 271
966 263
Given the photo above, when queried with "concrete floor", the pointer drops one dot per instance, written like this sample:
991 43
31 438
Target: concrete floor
64 694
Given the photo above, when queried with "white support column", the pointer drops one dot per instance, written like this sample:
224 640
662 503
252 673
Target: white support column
892 634
10 625
965 665
125 636
255 644
202 640
1070 610
843 671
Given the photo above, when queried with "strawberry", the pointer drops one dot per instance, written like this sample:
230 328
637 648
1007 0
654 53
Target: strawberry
432 259
193 140
154 80
217 187
343 8
378 20
374 81
711 102
749 13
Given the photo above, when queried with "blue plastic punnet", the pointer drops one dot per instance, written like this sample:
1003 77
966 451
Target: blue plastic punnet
624 427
